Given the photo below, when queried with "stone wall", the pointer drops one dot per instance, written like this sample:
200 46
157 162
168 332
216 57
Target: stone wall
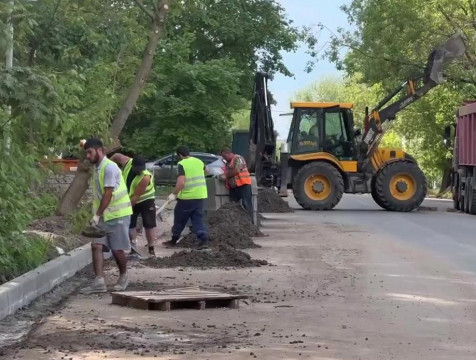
59 183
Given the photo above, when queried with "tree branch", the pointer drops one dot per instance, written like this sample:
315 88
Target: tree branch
37 40
455 27
156 7
144 9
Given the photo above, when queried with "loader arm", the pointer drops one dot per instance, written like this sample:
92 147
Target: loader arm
433 76
262 147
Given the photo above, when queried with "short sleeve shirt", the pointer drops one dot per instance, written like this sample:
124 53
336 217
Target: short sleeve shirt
239 163
112 176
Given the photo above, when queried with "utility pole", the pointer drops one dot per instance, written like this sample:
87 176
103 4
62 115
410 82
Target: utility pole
7 141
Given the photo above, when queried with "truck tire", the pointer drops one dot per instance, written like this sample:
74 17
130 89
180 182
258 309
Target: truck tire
318 186
467 195
401 186
472 200
374 194
455 190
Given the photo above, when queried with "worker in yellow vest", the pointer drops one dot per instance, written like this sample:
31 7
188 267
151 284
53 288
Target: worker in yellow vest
112 209
140 186
190 192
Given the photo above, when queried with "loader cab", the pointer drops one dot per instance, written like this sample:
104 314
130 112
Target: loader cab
323 127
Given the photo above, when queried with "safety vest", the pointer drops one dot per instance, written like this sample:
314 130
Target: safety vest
243 177
195 184
120 204
149 190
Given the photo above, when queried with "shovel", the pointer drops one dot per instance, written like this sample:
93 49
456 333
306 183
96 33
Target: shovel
159 210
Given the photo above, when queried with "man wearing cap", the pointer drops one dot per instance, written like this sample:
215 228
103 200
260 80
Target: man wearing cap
140 186
112 210
190 191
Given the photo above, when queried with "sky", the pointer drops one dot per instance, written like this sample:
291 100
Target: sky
304 13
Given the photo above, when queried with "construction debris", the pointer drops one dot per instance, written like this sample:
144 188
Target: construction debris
270 202
219 256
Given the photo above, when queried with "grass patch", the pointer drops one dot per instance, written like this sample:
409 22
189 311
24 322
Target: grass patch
22 253
80 218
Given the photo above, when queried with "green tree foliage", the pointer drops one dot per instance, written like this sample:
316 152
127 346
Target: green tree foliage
19 204
75 61
241 118
390 43
205 73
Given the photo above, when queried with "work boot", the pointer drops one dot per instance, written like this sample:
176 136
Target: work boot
172 243
122 282
98 286
204 244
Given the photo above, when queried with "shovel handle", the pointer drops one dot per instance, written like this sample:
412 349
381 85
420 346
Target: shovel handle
162 208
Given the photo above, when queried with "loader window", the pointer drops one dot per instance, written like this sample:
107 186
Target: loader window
336 134
307 131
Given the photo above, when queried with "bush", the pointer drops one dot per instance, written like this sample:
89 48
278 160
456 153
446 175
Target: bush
80 218
19 205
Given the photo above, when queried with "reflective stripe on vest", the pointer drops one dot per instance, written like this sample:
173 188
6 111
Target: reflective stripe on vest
149 190
243 177
120 204
195 184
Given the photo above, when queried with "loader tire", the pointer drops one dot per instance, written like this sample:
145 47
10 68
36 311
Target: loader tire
318 186
374 194
401 186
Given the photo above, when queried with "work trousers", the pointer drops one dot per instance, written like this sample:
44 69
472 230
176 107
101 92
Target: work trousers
244 194
193 210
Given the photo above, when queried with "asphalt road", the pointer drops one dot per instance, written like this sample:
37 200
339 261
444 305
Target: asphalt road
447 235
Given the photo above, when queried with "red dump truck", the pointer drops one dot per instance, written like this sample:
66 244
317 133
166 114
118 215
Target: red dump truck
462 137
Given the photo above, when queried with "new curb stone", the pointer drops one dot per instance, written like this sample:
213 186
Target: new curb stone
22 290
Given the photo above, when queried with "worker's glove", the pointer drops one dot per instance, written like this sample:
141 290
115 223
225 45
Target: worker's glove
95 220
172 197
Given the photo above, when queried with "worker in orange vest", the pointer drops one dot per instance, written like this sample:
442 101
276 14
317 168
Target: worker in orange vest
238 180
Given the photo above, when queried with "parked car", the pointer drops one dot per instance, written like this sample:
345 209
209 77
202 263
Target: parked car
165 168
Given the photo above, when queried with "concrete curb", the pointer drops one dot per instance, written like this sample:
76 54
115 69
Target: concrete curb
22 290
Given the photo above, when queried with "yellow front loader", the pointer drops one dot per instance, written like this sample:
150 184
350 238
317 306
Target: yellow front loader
325 156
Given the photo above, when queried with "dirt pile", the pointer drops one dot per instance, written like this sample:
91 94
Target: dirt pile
270 202
220 256
229 226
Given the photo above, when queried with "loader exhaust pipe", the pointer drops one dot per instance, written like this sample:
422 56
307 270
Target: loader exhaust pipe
452 49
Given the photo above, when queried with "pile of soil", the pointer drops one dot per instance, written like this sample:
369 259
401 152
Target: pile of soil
233 215
59 231
220 256
228 226
270 202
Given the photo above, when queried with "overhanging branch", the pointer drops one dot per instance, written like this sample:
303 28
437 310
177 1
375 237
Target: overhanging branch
144 9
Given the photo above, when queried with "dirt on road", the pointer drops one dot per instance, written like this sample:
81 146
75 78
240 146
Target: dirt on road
228 226
335 292
270 202
276 315
219 256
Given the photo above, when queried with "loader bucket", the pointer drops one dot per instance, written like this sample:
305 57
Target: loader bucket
452 49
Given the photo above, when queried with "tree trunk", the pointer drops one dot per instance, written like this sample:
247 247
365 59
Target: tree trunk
78 187
76 190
